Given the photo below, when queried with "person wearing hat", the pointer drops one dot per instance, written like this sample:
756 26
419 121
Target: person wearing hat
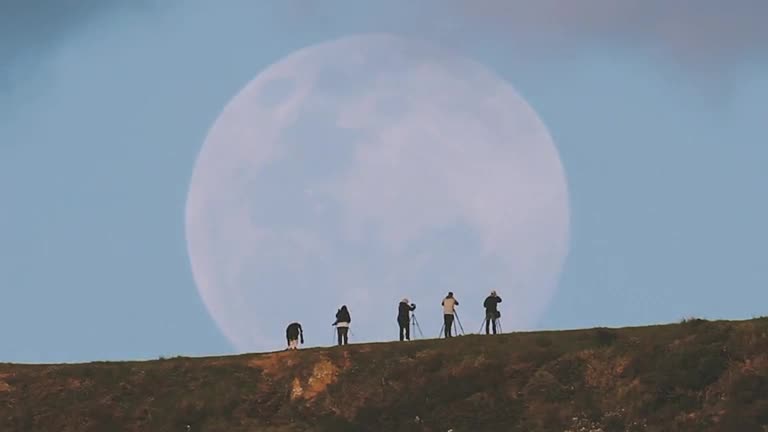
404 318
492 313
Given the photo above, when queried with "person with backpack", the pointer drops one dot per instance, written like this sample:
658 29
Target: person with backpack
293 333
342 325
491 305
449 309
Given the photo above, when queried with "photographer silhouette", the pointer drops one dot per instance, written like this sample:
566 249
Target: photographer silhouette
404 310
492 313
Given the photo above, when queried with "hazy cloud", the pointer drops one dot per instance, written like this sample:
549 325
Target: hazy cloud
29 28
691 30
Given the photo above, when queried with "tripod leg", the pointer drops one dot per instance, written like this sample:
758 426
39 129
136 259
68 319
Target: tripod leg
418 326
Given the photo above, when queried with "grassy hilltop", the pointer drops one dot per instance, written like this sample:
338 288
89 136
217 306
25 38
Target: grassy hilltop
694 376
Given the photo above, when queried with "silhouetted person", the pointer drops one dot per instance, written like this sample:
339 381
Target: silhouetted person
449 309
293 333
491 305
342 325
404 318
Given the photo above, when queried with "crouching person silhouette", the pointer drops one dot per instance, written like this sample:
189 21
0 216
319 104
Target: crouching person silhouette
294 333
342 325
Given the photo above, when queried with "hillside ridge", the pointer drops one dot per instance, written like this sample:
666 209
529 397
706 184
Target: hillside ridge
696 375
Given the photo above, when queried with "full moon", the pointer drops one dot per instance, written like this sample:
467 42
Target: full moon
369 169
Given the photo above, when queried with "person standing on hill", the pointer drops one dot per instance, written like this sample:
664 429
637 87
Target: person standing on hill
342 324
449 309
293 333
492 313
404 318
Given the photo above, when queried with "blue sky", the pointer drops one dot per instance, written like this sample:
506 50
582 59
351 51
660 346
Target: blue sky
662 138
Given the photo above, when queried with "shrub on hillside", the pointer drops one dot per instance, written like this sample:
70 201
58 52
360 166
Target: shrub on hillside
605 337
694 367
543 341
614 422
567 370
737 421
687 366
748 388
543 385
540 356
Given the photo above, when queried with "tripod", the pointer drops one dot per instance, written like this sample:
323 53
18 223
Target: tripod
456 321
415 324
496 322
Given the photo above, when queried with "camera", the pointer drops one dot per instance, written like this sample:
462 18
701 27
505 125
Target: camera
413 305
